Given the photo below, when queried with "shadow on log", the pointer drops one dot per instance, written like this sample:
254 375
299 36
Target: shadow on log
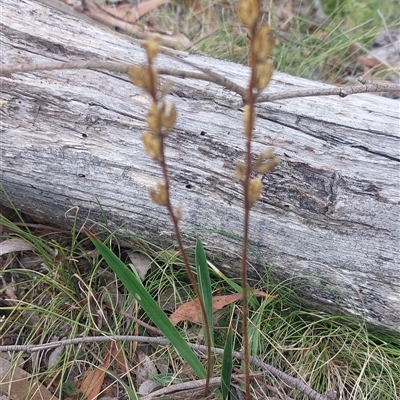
329 215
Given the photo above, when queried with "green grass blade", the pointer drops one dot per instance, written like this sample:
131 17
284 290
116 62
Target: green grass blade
130 392
149 305
204 281
226 372
255 328
252 299
254 333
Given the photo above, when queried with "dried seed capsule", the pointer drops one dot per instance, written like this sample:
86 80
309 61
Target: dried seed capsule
265 155
159 195
178 213
168 119
264 73
267 166
152 47
239 171
140 76
262 43
248 12
154 119
152 145
254 192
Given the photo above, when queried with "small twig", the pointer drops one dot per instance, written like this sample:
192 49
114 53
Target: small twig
40 226
370 87
206 75
281 395
191 385
143 324
216 78
7 70
180 387
289 380
28 348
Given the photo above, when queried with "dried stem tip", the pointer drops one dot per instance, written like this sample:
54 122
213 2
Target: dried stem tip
152 47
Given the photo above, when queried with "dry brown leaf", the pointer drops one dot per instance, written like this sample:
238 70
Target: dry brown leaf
114 348
145 368
321 34
141 262
368 62
191 311
18 384
11 245
93 380
130 12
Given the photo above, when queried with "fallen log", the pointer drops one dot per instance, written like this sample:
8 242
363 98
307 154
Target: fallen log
328 217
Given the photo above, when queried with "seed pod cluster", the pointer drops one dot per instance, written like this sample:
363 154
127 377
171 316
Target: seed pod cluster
160 119
265 163
262 43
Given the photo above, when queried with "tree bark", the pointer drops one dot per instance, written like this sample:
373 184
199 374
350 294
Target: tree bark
328 219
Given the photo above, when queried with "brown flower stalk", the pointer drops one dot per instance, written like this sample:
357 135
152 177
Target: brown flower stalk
160 121
261 44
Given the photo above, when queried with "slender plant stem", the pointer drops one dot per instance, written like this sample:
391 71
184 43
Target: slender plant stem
189 271
246 185
243 271
245 309
175 223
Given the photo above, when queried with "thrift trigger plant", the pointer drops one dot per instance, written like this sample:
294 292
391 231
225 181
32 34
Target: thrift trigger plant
160 120
262 42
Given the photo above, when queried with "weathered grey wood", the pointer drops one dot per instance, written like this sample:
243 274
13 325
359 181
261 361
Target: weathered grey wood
329 215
